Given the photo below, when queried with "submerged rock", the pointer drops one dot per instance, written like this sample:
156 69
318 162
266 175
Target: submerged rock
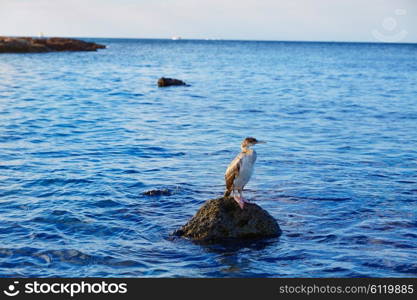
162 82
222 218
163 192
36 45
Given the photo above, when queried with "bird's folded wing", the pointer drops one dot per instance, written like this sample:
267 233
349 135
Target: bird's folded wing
233 171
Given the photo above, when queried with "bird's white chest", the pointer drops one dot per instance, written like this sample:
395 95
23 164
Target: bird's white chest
246 170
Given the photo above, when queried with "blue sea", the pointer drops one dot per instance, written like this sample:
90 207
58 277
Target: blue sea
83 135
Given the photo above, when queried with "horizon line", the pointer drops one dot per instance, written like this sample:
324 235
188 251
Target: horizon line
215 39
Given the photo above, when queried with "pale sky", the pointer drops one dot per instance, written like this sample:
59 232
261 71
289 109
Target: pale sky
311 20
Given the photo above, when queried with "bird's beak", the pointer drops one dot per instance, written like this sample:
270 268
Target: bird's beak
261 142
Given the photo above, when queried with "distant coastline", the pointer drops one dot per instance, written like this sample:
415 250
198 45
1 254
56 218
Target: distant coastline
42 45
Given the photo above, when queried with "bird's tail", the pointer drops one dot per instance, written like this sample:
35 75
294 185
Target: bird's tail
227 193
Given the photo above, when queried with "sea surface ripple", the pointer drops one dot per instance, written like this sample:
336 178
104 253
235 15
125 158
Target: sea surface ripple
84 135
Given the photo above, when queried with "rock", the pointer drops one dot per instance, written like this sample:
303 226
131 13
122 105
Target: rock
162 82
222 218
163 192
35 45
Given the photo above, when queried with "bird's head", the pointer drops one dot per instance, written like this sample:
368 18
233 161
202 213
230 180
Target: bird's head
250 142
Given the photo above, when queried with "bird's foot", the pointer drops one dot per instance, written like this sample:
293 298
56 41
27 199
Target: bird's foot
245 200
239 201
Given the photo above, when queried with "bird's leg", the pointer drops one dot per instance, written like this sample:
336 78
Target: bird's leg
238 199
243 199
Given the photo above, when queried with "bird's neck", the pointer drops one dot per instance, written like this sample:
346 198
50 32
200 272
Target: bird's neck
246 149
